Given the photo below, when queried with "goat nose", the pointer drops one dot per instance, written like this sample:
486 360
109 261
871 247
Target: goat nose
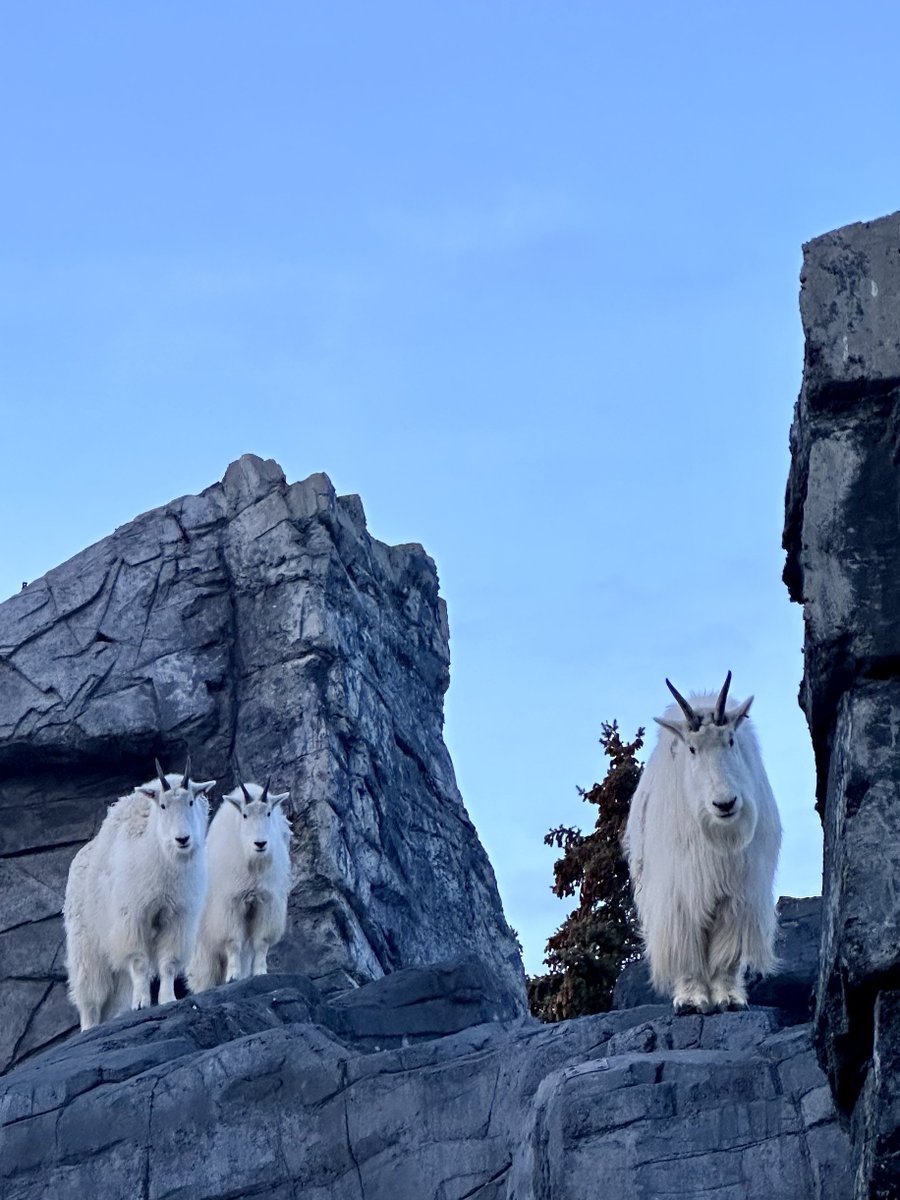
725 806
260 845
182 841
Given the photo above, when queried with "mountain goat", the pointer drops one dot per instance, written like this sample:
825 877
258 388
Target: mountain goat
134 897
249 880
702 841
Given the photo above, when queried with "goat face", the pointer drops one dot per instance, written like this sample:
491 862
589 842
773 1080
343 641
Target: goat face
180 821
717 780
180 810
717 783
259 824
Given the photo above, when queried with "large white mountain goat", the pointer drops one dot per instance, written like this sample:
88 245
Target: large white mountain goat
134 897
702 841
245 913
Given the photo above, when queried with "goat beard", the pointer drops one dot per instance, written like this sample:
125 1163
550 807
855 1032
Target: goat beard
736 833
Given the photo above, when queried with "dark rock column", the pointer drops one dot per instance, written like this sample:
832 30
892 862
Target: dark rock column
258 622
842 536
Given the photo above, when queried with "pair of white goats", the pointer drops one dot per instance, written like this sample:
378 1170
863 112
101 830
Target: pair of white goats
702 842
154 893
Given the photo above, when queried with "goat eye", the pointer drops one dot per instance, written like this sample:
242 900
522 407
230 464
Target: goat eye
731 741
245 816
692 749
162 806
191 803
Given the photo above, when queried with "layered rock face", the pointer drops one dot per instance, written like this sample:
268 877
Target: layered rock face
256 624
842 536
420 1087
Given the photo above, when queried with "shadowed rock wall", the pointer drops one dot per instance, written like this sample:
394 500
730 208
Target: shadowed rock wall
842 536
258 621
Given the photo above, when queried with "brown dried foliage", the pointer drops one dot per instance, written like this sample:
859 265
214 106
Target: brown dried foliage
600 935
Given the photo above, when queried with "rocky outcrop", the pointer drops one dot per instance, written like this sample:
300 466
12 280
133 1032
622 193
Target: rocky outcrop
842 536
790 988
258 623
420 1086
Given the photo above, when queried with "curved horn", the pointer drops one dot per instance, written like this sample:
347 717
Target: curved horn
720 703
265 792
166 786
187 772
247 797
693 719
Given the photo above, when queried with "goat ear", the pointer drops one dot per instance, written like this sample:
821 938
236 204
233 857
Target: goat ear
280 798
235 800
151 792
739 713
672 726
196 788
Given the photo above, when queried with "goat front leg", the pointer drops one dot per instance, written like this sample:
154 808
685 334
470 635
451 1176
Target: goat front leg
139 970
260 953
173 949
691 996
727 990
233 967
170 967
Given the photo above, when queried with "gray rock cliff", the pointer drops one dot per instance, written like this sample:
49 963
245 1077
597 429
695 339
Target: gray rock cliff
842 535
419 1086
258 622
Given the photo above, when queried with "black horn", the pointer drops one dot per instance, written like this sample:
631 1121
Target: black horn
265 792
693 719
166 786
187 772
247 797
720 703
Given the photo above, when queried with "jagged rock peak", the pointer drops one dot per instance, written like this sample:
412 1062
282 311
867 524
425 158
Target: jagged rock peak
256 623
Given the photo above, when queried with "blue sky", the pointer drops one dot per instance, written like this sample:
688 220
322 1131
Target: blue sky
524 276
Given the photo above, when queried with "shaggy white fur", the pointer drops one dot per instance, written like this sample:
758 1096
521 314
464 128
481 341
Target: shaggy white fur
702 841
134 897
249 881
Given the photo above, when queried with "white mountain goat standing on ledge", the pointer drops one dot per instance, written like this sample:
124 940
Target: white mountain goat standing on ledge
134 897
702 841
249 881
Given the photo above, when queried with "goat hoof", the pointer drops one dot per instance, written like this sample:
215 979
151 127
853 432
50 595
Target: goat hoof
687 1010
736 1006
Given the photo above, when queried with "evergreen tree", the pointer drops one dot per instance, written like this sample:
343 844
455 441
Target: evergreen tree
598 937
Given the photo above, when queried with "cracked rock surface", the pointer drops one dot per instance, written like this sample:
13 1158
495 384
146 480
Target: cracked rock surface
258 621
842 535
416 1086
